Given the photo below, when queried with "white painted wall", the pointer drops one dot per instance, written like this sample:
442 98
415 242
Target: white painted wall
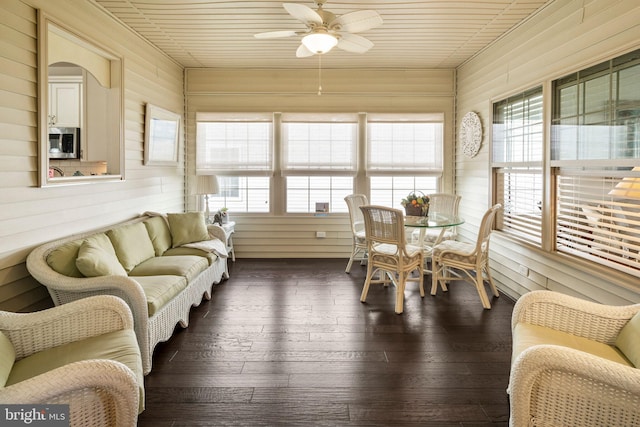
30 215
565 37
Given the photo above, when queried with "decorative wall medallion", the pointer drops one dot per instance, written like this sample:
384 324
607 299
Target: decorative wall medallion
471 134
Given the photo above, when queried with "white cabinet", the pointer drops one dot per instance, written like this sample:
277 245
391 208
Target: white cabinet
65 104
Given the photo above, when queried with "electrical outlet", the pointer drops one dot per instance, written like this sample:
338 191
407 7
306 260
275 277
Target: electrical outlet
523 270
321 234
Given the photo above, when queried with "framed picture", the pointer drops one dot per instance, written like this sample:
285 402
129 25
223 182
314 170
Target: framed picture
161 137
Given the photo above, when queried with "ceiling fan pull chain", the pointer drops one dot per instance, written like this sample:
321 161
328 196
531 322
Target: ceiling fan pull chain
319 75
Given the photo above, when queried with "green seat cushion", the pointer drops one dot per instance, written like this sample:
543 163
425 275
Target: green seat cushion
192 251
62 259
188 266
159 233
159 290
132 244
526 335
187 227
7 358
628 341
121 346
96 260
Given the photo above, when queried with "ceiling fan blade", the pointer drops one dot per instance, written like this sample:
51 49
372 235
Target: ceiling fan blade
355 22
275 34
354 43
303 13
303 52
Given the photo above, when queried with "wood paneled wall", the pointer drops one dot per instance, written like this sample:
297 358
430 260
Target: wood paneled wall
392 91
30 215
565 37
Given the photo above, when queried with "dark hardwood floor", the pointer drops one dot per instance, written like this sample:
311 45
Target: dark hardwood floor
288 343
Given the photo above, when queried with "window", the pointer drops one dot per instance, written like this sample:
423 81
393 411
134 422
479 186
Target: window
517 153
239 150
595 148
318 160
404 154
390 190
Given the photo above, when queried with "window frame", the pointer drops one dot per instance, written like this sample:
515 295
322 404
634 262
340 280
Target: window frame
603 236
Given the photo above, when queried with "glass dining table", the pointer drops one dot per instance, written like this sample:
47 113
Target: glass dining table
435 220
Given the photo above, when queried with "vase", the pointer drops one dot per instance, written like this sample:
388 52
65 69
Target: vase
416 210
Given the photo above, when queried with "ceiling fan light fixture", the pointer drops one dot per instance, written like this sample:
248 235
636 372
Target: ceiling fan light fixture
319 42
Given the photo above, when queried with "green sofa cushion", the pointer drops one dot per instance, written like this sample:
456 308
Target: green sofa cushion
628 340
526 335
7 358
159 233
63 258
188 266
159 290
94 260
192 251
121 346
132 244
187 227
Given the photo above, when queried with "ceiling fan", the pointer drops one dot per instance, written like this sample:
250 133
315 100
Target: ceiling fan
326 30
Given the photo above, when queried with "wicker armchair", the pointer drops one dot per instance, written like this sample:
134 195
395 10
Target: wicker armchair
99 392
555 385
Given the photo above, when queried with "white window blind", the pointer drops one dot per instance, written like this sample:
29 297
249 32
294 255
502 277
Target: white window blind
521 198
595 148
517 152
319 144
232 146
596 218
409 147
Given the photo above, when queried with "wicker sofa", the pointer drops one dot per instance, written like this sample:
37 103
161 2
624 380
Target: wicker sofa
574 362
83 354
160 265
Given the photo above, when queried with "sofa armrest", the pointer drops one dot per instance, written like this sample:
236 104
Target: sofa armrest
33 332
573 315
554 385
91 388
216 232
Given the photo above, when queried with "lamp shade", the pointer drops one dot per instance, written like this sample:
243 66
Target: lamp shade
206 184
319 42
628 188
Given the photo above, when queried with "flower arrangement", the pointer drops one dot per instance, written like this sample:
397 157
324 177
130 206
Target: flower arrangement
416 204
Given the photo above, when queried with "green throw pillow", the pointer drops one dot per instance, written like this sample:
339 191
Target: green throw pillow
628 340
187 228
7 358
63 258
94 260
159 234
132 244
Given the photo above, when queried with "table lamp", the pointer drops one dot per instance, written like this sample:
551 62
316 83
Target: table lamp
628 188
205 185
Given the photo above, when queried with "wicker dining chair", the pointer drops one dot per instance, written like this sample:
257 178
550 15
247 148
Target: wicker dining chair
445 203
389 253
470 259
359 251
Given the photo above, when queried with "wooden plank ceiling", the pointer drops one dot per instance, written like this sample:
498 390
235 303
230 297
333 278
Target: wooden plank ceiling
415 34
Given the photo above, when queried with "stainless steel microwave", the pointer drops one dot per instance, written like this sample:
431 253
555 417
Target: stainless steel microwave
64 143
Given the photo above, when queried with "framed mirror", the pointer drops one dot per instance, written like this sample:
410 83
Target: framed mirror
81 108
161 137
